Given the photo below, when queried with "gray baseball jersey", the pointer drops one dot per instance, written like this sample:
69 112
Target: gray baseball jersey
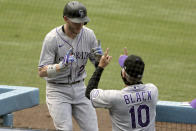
131 109
55 46
63 99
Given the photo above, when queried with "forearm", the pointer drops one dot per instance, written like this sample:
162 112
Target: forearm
48 70
94 81
52 70
96 64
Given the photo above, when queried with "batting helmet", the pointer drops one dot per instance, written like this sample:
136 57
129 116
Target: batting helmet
76 12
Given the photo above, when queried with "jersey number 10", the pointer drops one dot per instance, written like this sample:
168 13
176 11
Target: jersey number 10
142 123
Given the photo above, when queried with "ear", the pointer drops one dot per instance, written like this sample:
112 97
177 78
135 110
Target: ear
65 18
123 73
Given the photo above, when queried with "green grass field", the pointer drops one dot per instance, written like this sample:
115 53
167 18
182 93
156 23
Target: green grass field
162 32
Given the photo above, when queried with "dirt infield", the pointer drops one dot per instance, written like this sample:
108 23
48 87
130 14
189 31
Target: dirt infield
39 118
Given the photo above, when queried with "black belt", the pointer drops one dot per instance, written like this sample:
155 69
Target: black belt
75 82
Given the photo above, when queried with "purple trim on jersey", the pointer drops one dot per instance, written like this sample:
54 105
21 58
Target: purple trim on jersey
79 38
67 41
77 47
63 39
41 66
72 47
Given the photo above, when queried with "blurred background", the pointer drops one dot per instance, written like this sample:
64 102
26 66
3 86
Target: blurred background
162 32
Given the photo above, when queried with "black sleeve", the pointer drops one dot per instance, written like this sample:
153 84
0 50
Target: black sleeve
96 64
94 81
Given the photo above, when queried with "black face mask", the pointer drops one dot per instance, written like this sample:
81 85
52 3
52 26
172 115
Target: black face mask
124 79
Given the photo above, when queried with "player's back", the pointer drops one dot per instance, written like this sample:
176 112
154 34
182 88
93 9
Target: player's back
134 107
131 109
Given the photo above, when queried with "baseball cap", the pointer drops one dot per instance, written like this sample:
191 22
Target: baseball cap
134 66
76 12
122 59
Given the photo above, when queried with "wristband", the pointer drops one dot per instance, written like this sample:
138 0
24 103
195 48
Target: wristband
51 70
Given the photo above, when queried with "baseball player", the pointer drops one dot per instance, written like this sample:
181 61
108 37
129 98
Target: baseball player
134 107
63 58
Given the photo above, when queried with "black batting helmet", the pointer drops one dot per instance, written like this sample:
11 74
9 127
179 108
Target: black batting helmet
76 12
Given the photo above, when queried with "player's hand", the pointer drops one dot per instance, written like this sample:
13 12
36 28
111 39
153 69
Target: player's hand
105 59
122 58
97 52
125 51
68 59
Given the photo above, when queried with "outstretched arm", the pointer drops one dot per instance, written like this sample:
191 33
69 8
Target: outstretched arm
94 80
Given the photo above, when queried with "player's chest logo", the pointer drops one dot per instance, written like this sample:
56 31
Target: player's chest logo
81 55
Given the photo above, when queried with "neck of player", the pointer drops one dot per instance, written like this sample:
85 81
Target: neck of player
69 32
